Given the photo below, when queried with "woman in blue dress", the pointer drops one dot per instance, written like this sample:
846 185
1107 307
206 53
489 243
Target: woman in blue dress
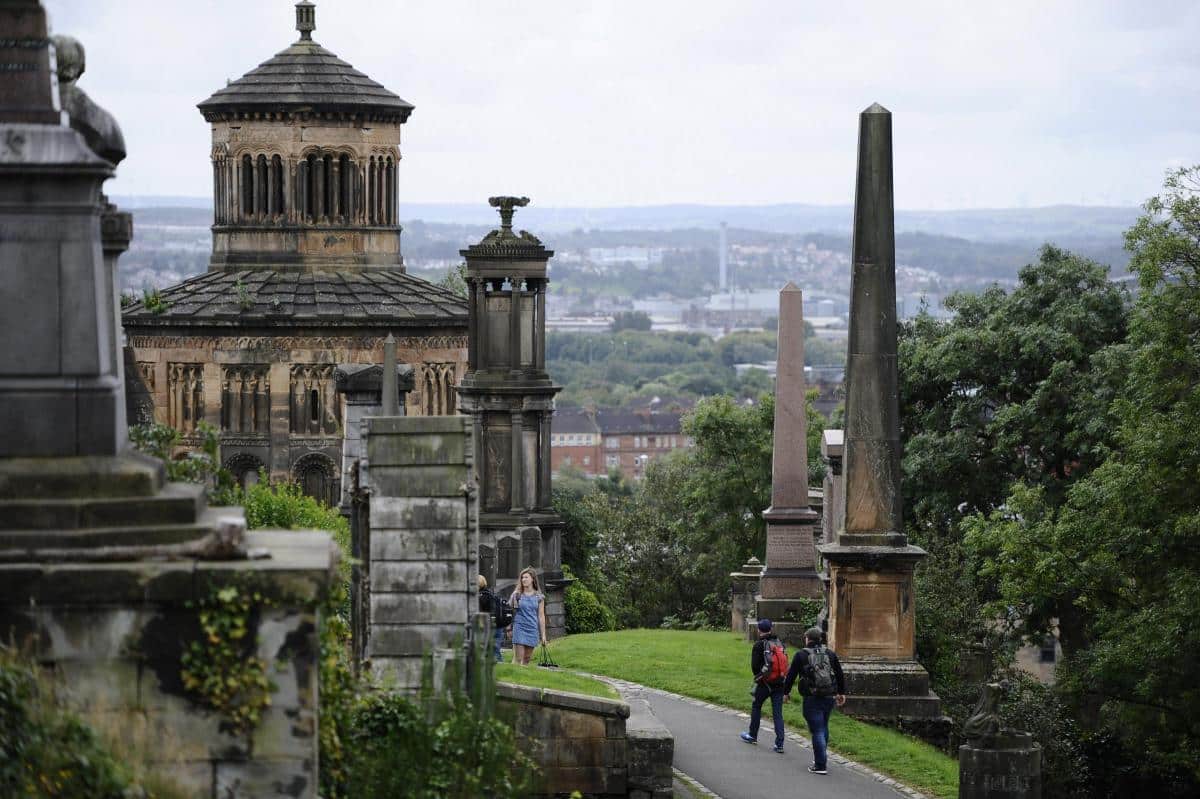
529 619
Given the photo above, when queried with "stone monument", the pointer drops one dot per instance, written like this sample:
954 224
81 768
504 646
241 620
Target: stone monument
789 580
872 613
101 561
511 397
997 762
306 272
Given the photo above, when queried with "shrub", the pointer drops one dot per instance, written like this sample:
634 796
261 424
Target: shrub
285 506
585 612
400 749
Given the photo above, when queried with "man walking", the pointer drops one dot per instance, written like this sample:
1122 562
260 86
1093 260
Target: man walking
768 663
822 685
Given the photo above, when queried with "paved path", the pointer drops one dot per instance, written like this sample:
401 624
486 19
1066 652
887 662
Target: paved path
708 750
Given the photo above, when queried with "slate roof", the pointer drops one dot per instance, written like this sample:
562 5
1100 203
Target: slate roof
564 421
306 76
627 422
308 299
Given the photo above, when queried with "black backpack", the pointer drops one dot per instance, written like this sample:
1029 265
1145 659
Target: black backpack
817 676
502 614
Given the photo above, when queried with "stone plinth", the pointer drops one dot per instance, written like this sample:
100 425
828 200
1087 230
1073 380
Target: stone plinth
1010 769
744 590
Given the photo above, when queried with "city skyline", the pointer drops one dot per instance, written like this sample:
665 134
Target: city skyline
626 105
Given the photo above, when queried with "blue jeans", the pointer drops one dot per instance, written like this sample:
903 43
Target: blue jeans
817 710
499 640
761 692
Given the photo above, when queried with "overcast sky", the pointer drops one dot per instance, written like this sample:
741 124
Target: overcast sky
643 102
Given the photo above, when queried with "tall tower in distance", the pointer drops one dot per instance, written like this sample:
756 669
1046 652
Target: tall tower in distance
723 257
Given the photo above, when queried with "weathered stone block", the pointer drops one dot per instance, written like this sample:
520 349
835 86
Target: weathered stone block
417 544
410 639
420 481
416 449
413 513
447 608
266 779
415 576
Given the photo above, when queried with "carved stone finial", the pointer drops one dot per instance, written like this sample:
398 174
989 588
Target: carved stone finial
306 19
70 58
507 206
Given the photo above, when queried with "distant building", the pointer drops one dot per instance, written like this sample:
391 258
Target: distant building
575 442
632 439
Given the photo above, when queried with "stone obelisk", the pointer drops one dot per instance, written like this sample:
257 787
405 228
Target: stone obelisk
872 614
790 578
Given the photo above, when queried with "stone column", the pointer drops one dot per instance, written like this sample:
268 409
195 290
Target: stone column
514 326
834 487
790 579
517 488
872 613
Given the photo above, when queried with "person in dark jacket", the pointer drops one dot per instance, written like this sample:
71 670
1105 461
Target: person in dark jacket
764 689
487 604
822 685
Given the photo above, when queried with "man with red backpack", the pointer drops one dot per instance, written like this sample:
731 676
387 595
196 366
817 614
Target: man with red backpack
822 685
769 664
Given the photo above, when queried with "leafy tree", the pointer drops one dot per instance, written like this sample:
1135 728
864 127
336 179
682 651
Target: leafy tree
1015 386
1121 555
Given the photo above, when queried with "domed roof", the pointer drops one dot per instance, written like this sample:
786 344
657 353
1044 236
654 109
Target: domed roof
306 77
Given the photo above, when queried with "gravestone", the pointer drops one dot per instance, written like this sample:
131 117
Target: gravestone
744 592
997 762
872 608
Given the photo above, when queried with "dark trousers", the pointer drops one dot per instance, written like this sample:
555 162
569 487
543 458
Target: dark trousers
817 710
499 636
761 692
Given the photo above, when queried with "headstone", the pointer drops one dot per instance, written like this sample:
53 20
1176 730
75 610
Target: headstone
997 762
744 590
872 612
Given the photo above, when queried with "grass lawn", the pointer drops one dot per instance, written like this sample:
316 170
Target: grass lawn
715 667
555 679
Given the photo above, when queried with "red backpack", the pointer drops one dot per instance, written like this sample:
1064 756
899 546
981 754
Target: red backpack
775 662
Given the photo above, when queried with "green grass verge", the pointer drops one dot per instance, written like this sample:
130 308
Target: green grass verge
554 679
715 667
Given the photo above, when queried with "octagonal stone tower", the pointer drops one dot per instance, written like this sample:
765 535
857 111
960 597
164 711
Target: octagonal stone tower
305 274
305 150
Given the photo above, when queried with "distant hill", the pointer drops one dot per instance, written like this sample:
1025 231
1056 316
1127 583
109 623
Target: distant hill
1001 224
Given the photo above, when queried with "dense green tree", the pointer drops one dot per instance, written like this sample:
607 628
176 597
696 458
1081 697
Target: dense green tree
1016 385
1121 556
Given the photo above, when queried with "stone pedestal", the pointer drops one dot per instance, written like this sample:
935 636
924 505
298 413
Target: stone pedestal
1010 769
744 591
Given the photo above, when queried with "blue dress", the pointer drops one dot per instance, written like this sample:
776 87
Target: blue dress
527 629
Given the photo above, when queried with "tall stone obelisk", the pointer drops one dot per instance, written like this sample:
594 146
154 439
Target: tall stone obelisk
872 613
790 578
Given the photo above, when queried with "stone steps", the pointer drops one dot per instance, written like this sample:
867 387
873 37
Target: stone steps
28 541
175 504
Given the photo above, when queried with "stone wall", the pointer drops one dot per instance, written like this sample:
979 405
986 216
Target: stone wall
588 744
115 633
421 554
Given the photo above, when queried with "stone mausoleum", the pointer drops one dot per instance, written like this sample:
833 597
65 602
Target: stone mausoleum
306 273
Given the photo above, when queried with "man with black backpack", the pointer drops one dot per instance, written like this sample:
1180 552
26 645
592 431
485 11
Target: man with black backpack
822 685
502 615
769 664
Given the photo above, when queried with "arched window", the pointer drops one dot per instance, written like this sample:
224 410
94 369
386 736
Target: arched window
310 201
329 200
390 193
247 187
261 180
371 192
277 205
346 177
316 475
